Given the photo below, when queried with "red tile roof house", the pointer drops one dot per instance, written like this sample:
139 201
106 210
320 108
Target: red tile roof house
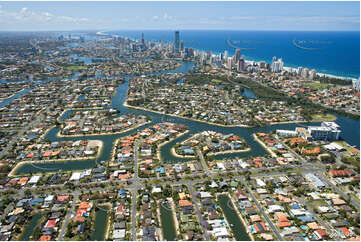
62 199
45 238
341 173
241 196
50 223
346 232
320 234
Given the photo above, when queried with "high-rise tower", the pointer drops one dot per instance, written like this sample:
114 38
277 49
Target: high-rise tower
176 42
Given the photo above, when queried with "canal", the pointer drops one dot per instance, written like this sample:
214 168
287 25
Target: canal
231 215
7 101
349 134
166 216
101 224
30 228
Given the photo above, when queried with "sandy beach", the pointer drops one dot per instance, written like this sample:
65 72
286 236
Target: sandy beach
46 132
228 152
161 237
175 220
166 142
172 151
111 161
264 146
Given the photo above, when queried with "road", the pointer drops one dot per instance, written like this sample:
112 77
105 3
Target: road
134 191
330 229
68 217
198 212
264 214
137 183
22 132
203 162
353 201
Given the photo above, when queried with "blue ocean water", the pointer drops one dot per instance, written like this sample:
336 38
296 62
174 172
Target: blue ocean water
335 53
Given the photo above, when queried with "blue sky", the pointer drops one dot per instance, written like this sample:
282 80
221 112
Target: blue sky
180 15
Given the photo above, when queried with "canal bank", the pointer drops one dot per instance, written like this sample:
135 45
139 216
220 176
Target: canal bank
238 229
30 228
167 222
100 224
348 134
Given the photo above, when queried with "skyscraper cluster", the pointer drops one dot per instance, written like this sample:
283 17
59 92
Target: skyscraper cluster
277 65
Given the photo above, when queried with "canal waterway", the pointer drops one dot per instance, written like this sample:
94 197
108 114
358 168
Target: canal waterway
7 101
166 216
350 133
30 228
239 231
101 224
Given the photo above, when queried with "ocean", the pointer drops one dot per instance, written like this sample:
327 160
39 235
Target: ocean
331 52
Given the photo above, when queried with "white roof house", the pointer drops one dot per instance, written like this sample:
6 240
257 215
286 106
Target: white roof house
119 234
49 198
34 180
205 195
260 183
75 176
220 232
274 208
157 190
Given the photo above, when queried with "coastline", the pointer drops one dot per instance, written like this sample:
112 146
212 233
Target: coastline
99 143
287 68
320 74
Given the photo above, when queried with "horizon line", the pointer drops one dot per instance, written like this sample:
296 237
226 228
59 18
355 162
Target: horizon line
99 30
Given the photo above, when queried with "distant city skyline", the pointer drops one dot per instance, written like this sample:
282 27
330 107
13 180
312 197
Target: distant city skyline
325 16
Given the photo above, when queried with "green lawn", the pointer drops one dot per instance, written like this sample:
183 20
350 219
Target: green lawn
318 86
75 68
346 146
317 203
216 81
321 117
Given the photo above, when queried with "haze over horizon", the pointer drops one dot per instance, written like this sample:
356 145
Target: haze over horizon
291 16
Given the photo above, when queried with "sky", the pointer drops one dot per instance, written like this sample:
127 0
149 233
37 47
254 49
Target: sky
325 16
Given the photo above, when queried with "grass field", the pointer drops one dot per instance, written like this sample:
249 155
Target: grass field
75 68
349 149
317 203
318 86
321 117
216 81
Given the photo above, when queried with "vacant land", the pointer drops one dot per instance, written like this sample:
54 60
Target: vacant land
323 117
